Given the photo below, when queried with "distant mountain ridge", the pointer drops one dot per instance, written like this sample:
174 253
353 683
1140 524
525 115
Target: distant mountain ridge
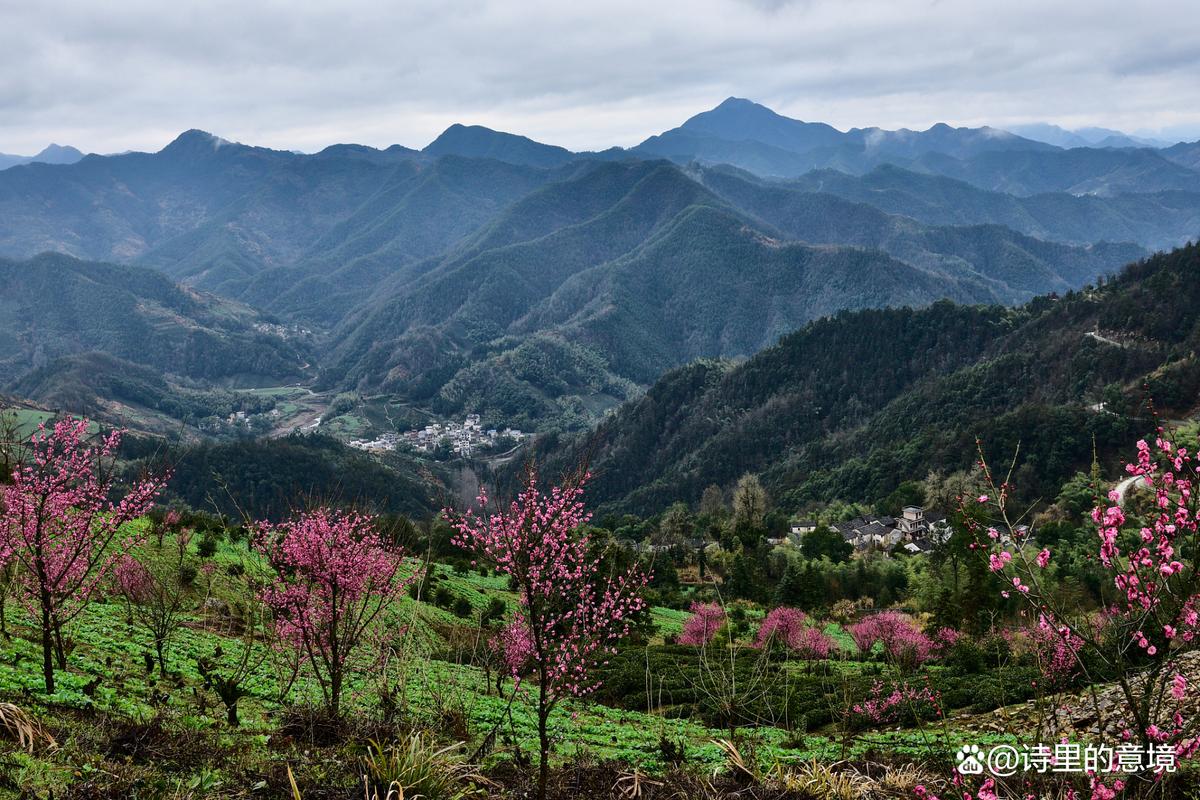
476 141
51 154
1082 137
744 134
738 119
492 272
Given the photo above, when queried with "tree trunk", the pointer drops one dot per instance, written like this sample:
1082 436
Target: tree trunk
543 740
335 691
47 647
59 650
160 649
231 715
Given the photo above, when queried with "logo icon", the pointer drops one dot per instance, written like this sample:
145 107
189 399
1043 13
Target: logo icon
969 761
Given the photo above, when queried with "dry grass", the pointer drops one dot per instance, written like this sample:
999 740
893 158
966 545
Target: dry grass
902 780
18 725
737 762
634 785
823 781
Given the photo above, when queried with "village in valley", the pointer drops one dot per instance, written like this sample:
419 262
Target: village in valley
461 439
914 531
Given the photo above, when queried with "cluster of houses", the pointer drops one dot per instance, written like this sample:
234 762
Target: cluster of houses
383 444
463 438
242 418
914 531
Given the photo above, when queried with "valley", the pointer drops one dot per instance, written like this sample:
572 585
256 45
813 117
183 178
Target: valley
539 288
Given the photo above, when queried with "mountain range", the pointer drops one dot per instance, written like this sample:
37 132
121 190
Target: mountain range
1082 137
494 274
752 137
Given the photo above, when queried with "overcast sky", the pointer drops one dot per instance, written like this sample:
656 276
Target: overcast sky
300 75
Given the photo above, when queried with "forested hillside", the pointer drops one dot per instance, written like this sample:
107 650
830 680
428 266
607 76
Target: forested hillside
1159 220
852 406
617 267
54 306
274 478
1014 265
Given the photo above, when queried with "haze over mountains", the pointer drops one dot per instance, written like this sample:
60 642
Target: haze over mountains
490 273
1082 137
51 154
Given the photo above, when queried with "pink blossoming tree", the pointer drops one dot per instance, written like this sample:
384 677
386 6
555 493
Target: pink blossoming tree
154 601
791 628
781 625
1152 616
571 614
701 627
903 642
63 529
334 579
885 705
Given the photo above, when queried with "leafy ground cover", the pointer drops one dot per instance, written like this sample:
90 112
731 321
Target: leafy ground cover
112 687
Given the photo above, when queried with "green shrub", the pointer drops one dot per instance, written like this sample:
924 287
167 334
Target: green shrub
496 609
462 607
417 767
207 546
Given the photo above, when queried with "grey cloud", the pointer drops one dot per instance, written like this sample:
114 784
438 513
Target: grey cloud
303 74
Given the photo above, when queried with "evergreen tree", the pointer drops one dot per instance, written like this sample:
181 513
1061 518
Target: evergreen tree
825 541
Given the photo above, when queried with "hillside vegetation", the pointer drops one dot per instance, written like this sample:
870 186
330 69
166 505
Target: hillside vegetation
851 406
55 306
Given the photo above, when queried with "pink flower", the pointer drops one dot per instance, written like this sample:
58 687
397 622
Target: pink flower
1179 687
1043 558
882 705
700 628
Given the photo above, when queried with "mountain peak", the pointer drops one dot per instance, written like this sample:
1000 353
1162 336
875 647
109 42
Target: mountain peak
732 103
476 141
195 141
58 154
735 109
739 119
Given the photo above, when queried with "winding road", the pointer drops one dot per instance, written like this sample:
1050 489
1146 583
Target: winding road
1124 486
